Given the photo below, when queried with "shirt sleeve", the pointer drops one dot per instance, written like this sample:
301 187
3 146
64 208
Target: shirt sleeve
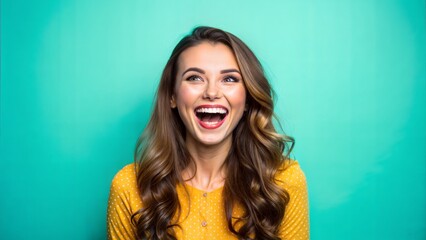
296 219
120 203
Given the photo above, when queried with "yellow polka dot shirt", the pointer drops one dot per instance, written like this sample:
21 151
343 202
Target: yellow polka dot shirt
204 217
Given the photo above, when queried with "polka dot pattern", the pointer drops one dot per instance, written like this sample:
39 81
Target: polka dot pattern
296 219
202 215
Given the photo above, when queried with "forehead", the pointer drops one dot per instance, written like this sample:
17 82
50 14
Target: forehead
207 55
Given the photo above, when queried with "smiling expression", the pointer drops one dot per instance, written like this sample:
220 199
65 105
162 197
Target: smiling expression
209 93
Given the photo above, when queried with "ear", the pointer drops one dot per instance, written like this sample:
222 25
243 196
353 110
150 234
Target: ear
173 101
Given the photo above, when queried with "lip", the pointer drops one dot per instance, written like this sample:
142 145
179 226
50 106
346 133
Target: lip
215 125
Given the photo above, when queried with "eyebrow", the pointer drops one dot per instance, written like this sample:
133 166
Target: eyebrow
230 70
195 69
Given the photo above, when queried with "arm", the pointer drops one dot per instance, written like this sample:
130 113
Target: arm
296 218
121 199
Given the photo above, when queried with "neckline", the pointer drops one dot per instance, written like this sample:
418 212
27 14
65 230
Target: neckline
186 185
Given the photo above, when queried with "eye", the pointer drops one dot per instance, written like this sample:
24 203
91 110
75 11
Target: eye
231 79
194 78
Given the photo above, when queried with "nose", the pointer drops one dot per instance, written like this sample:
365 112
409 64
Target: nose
212 91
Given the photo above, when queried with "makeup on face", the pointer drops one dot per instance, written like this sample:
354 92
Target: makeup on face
209 94
211 116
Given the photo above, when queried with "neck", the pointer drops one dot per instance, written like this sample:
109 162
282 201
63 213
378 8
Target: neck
208 173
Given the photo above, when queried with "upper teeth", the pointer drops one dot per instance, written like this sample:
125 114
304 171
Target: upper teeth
211 110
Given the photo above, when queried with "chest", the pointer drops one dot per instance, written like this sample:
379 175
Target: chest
203 216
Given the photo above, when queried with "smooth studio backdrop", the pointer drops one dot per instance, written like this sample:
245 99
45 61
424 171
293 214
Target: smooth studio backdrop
78 79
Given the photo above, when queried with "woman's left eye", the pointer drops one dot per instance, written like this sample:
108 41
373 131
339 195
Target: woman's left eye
231 79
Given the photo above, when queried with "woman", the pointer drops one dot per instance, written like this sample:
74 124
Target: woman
210 164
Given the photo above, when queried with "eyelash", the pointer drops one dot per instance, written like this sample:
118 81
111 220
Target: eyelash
225 79
192 78
234 79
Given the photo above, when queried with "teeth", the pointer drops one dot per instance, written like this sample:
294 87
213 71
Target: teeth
211 110
210 123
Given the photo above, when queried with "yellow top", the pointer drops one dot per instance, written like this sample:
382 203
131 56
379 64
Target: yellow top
206 219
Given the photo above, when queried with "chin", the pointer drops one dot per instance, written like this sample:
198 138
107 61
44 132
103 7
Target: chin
213 140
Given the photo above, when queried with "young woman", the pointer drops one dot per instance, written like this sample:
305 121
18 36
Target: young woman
210 164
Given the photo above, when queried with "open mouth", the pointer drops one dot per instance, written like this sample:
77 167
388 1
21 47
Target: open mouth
211 117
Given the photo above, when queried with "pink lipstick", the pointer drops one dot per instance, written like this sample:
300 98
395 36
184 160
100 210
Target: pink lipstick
211 116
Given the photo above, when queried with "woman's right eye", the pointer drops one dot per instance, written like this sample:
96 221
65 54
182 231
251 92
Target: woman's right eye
194 78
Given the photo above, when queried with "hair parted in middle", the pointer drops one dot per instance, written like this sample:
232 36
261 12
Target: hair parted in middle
256 155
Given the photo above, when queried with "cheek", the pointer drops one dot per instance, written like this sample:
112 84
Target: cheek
186 95
237 97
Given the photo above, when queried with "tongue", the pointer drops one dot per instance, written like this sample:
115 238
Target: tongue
211 118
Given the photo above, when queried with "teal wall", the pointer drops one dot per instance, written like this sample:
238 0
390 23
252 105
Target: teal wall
78 79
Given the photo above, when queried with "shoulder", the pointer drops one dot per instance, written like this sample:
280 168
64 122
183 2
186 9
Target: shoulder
124 182
290 176
296 219
123 202
126 174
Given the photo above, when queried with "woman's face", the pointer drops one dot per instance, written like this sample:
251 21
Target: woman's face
209 94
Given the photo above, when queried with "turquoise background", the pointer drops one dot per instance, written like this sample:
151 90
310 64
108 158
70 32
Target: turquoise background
78 79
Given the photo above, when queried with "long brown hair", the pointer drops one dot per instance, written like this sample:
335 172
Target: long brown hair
256 156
